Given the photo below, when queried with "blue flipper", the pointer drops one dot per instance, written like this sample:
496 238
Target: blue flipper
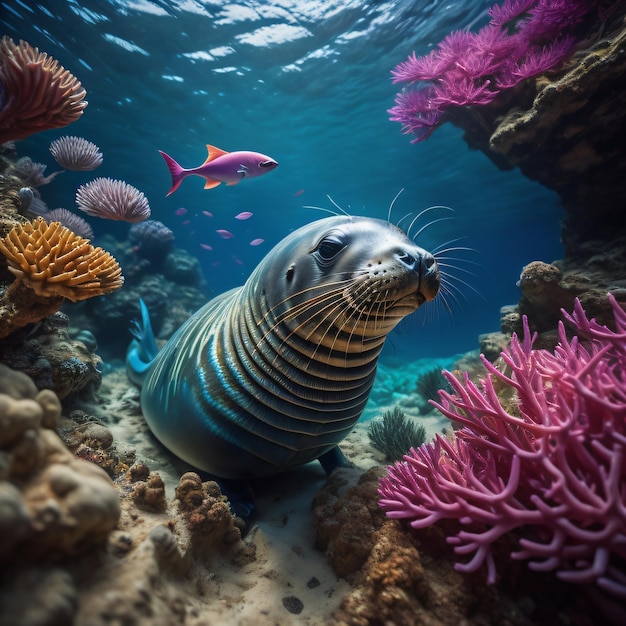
333 459
142 349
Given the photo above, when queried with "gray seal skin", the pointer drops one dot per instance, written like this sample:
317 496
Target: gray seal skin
276 373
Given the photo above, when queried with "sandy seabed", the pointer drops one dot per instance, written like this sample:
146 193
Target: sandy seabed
284 579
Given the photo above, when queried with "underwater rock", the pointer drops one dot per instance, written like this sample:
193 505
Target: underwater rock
405 577
567 134
151 240
53 505
492 344
108 319
344 520
92 441
150 494
183 269
38 597
206 511
51 358
549 287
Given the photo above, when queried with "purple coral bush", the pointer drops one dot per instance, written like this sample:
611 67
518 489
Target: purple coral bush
548 464
523 38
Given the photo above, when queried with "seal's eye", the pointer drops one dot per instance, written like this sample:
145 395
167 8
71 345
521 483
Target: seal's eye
329 248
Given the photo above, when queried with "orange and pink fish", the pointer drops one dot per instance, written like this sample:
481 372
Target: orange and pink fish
221 167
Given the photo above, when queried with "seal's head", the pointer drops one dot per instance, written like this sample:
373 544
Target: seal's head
356 276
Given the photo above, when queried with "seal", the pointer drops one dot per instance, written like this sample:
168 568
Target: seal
276 373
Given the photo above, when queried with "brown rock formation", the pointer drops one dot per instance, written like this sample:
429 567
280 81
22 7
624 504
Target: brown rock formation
567 132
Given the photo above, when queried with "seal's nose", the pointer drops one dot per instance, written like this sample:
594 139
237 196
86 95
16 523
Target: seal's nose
423 263
430 279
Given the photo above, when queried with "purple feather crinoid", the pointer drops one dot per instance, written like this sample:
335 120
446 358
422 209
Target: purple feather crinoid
113 200
524 38
70 220
548 464
76 153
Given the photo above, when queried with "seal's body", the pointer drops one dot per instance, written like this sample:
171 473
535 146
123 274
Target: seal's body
277 372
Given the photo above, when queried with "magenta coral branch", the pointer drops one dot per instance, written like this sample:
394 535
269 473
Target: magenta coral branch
551 468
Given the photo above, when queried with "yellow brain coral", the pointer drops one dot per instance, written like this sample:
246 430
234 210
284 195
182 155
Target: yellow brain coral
54 261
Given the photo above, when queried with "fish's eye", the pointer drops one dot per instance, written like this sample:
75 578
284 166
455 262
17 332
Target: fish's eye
267 163
328 248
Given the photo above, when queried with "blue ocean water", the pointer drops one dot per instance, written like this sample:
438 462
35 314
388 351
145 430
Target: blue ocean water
308 83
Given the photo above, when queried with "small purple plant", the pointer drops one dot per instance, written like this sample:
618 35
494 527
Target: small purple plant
551 466
524 38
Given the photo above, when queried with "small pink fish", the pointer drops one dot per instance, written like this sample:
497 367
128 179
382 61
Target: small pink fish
224 234
257 242
185 222
207 213
236 260
221 167
244 215
206 246
298 193
181 211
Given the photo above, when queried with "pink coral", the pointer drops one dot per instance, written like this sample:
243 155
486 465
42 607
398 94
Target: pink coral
524 38
551 467
36 92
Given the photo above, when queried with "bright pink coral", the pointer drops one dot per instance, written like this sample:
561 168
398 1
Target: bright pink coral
550 466
524 38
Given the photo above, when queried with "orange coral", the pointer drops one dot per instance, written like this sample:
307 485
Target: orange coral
51 263
39 93
54 261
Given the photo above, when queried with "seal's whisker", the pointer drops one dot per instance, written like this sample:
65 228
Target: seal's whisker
440 249
341 306
332 301
421 214
442 259
337 206
338 332
404 217
357 319
271 310
453 285
457 268
293 312
451 280
429 224
353 314
334 306
364 313
444 293
392 203
319 208
304 307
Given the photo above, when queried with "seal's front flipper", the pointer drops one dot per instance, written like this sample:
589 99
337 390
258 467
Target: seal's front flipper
142 349
240 496
333 459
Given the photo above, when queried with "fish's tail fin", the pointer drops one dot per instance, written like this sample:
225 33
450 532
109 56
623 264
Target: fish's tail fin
142 349
176 171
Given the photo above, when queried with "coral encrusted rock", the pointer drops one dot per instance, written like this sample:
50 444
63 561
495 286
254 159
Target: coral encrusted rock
565 133
51 504
405 577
